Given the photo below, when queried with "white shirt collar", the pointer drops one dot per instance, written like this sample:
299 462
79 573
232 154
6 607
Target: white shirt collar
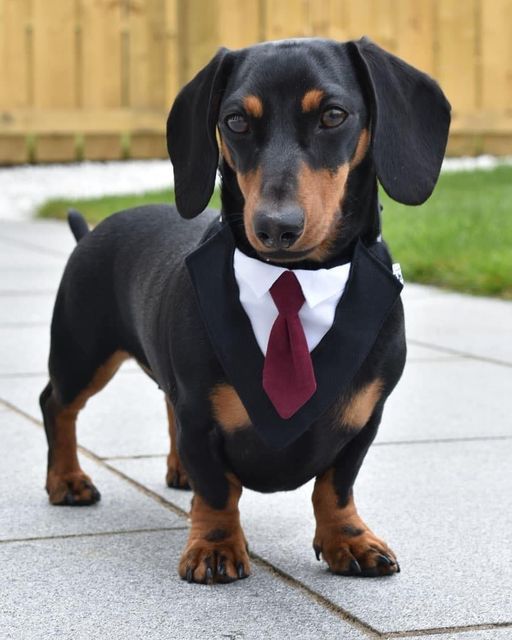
317 285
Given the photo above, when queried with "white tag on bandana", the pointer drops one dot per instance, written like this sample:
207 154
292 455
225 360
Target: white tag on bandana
397 272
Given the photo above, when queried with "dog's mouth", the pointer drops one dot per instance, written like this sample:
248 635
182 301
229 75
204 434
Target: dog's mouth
284 255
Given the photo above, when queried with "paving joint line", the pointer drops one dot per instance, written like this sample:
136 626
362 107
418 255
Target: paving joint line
91 534
439 359
137 456
440 631
460 354
344 615
22 325
22 374
442 440
17 293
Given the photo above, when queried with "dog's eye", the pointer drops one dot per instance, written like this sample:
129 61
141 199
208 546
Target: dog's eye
237 123
333 117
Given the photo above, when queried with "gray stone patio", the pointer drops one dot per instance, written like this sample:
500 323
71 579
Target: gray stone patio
437 485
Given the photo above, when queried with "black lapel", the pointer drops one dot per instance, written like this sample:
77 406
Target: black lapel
370 294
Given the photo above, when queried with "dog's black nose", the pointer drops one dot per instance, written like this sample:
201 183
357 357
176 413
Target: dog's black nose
279 230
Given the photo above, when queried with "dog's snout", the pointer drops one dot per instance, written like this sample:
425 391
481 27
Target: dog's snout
279 230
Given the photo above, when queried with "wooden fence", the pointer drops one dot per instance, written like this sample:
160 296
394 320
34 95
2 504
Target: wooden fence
94 78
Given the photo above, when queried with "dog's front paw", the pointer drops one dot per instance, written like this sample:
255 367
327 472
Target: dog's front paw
354 551
74 489
218 557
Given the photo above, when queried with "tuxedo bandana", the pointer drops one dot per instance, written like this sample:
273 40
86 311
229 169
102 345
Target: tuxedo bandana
288 376
237 327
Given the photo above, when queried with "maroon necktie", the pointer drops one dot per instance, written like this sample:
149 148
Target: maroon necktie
288 376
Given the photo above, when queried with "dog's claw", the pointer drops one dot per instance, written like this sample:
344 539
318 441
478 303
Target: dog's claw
317 550
68 499
384 561
190 575
355 567
209 575
221 567
240 570
96 495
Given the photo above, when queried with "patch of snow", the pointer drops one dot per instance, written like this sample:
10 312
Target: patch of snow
23 189
467 163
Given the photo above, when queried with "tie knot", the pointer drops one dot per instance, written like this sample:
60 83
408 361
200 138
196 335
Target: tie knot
287 294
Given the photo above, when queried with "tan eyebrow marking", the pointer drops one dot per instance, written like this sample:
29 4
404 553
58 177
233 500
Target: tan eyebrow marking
361 149
254 106
311 99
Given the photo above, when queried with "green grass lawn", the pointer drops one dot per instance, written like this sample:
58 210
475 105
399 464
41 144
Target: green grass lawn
460 239
96 209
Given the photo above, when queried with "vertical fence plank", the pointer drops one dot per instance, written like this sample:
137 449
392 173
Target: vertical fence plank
496 56
100 46
383 24
15 70
457 53
415 28
328 19
238 23
286 19
373 18
358 18
199 34
172 59
146 53
54 34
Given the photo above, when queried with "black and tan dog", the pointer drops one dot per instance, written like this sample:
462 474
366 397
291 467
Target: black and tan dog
305 129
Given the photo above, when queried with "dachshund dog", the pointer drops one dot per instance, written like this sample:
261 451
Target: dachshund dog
304 129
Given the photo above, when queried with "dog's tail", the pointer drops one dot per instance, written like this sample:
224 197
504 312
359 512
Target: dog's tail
77 224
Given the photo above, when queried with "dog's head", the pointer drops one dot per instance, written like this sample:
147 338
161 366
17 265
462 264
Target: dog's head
295 120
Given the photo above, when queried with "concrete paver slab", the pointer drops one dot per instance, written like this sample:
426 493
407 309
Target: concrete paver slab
446 510
417 353
17 310
25 348
30 280
455 398
23 391
24 508
127 418
477 326
42 236
127 587
413 292
18 257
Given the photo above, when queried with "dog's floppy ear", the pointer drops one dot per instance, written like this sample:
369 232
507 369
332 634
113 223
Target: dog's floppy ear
410 120
191 140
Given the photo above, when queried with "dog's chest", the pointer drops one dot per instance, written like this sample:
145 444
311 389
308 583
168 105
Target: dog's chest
263 468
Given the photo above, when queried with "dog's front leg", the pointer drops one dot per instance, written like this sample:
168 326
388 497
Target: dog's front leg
343 539
216 550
